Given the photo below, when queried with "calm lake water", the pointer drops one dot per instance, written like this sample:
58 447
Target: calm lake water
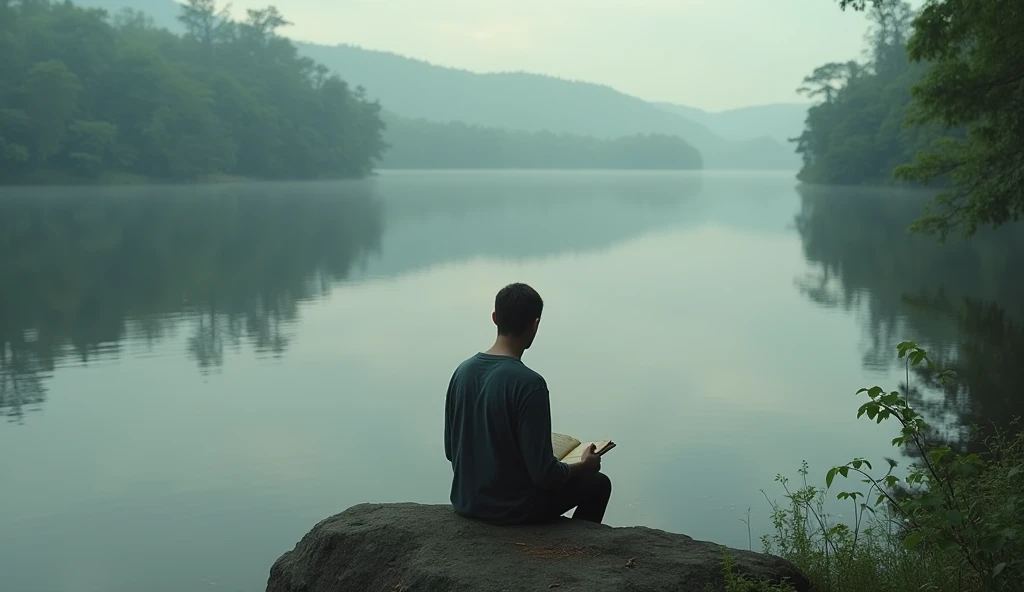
191 377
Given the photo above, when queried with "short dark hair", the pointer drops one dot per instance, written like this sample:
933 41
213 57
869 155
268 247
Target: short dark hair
515 307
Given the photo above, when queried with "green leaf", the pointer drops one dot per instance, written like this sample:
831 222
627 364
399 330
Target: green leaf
913 539
998 569
830 476
992 543
1013 472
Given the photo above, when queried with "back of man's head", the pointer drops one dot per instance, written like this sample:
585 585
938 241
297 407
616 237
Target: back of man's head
517 308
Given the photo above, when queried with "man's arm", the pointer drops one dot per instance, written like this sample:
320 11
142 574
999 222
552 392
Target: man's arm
545 470
588 464
448 421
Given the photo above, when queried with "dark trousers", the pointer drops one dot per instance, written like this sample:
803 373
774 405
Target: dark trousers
589 494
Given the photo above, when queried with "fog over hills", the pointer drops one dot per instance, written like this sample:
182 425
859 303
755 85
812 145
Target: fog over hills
748 138
533 102
780 121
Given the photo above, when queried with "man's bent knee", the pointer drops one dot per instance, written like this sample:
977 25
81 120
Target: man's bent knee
600 484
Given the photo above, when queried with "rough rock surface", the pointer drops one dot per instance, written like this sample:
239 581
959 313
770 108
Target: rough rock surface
428 548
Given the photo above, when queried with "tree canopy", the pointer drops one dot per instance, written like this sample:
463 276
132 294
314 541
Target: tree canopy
856 132
421 144
968 61
83 93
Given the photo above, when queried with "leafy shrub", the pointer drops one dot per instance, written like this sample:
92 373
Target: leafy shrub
953 522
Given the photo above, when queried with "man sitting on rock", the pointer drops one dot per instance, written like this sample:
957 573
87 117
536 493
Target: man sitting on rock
497 431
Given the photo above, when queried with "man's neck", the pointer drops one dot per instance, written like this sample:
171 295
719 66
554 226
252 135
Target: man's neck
505 346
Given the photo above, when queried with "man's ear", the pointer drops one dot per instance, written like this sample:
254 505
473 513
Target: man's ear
494 318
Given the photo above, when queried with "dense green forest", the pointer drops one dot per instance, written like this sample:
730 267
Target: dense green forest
856 133
939 101
84 94
525 102
420 144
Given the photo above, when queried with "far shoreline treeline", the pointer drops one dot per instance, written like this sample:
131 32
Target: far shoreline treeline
413 145
89 97
85 95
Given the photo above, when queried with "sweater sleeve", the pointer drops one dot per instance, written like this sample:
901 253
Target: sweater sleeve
545 470
448 419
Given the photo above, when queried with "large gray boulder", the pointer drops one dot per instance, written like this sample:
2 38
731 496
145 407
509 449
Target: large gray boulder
428 548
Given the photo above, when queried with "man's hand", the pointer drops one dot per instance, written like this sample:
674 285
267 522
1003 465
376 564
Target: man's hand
590 462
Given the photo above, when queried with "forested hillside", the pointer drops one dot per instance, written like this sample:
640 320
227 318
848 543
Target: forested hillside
856 132
421 144
517 102
85 95
530 102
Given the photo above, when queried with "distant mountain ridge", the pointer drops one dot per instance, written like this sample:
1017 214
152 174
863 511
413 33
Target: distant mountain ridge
520 101
780 121
533 102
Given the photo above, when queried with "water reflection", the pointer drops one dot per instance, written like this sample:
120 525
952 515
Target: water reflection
21 382
962 300
449 217
987 358
675 329
86 269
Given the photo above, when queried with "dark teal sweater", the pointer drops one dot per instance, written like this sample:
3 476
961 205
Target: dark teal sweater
497 435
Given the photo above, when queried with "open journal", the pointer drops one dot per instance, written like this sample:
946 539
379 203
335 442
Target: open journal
570 450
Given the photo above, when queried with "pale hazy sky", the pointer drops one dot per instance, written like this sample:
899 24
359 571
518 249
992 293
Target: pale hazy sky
714 54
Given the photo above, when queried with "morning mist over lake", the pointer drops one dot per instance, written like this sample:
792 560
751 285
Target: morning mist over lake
245 247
